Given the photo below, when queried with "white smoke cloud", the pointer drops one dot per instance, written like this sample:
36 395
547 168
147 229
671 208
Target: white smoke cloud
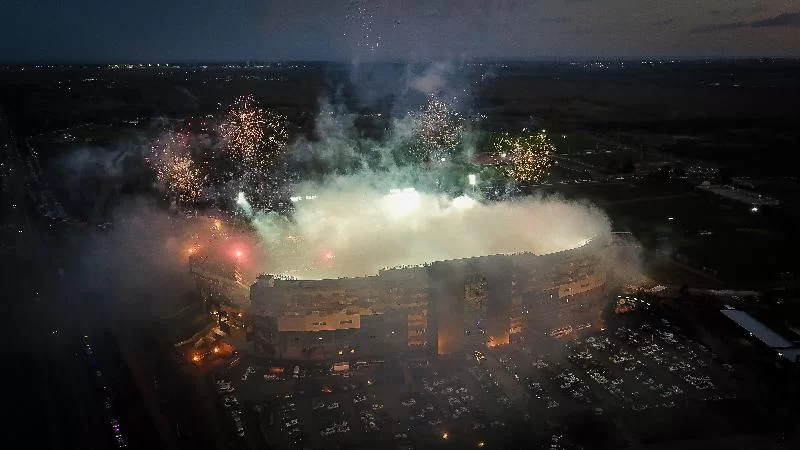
382 212
432 80
357 225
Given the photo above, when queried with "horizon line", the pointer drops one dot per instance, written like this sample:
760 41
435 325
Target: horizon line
247 62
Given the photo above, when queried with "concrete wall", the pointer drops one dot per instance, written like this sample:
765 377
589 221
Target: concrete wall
419 308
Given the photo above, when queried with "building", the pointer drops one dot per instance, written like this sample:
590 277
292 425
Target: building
769 338
433 309
219 283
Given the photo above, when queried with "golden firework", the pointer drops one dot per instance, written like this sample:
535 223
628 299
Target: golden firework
258 136
175 169
524 157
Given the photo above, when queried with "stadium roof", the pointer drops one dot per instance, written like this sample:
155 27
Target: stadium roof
757 329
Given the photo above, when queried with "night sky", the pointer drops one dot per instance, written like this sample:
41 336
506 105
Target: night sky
238 30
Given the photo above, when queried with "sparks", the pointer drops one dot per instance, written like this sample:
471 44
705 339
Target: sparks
175 169
439 131
258 136
525 157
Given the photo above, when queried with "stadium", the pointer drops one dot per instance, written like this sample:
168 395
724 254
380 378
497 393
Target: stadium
437 308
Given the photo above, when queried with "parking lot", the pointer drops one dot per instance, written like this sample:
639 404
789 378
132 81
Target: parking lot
543 391
630 371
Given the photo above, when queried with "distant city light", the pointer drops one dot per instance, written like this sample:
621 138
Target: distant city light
754 209
670 218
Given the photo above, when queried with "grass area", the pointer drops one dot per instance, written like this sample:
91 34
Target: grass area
740 247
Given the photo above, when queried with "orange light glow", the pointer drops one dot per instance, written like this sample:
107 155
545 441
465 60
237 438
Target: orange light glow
445 435
196 357
216 350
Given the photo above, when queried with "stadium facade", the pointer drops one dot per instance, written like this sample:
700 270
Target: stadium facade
434 309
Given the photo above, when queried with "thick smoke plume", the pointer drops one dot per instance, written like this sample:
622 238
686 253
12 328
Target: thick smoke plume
372 207
357 225
368 204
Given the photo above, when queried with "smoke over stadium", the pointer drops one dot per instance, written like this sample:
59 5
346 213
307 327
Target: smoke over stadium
357 225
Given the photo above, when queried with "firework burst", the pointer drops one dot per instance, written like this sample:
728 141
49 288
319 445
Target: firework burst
256 135
526 157
175 169
439 131
360 18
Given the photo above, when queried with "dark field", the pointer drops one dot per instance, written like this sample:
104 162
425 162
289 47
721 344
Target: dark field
730 112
